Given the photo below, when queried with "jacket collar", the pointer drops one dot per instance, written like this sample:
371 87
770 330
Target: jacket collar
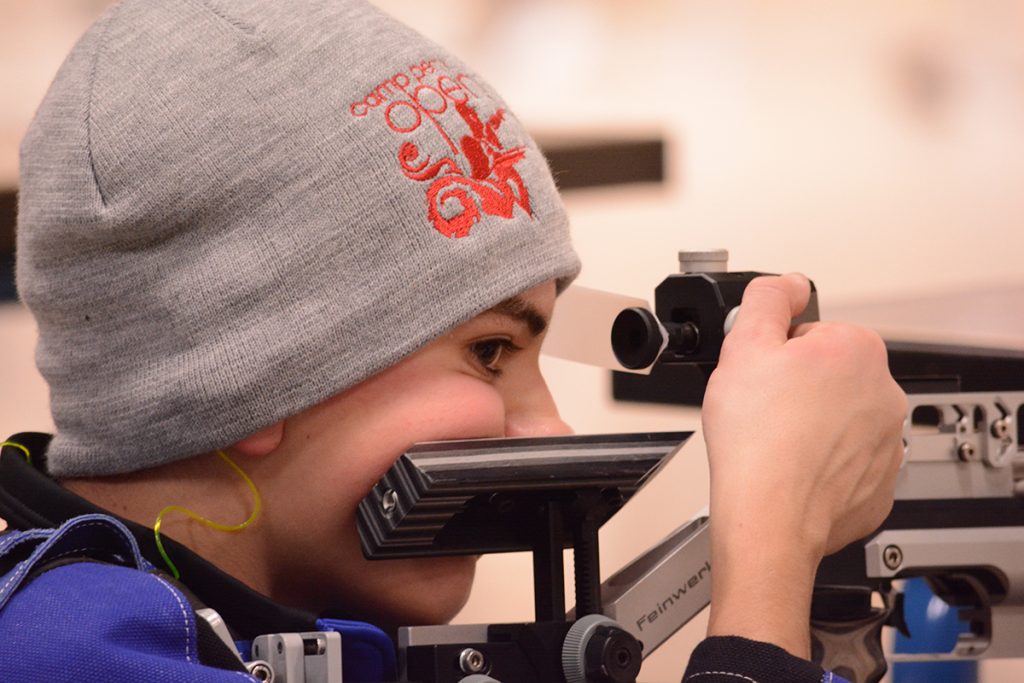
30 498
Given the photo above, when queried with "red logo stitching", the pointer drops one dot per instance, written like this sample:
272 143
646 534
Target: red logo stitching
486 182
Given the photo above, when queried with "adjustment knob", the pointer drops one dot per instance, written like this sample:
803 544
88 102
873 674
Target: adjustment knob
597 650
637 338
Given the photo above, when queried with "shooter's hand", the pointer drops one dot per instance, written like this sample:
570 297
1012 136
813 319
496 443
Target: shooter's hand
803 429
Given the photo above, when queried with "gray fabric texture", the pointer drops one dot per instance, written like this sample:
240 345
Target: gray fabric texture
231 210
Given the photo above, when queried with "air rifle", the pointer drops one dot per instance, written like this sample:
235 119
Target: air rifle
958 519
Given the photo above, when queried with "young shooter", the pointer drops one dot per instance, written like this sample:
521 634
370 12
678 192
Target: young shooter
296 238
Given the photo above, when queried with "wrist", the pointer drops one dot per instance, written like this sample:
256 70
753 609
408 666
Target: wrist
773 524
762 583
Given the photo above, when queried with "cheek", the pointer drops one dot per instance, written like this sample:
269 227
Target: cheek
455 408
377 423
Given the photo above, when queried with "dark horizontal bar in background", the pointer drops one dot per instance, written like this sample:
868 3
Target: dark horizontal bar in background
8 216
581 163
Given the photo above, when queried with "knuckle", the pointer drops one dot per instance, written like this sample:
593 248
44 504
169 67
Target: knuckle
857 344
897 458
835 342
860 337
883 510
902 402
875 345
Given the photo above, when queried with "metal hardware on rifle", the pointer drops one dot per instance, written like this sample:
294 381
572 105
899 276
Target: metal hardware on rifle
597 650
388 502
706 261
892 556
472 661
958 519
638 338
261 671
967 452
502 495
661 590
1001 428
693 312
300 657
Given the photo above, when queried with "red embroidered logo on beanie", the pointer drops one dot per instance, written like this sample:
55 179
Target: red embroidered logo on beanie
472 173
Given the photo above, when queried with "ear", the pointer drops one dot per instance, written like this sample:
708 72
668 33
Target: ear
262 442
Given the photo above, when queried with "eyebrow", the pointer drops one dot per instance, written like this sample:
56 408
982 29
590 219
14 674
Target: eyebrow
519 309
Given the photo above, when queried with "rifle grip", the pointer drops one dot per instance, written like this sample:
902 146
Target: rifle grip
851 649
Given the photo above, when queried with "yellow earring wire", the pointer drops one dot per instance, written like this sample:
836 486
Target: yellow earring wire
28 456
257 506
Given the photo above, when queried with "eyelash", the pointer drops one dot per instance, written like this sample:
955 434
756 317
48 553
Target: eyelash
505 346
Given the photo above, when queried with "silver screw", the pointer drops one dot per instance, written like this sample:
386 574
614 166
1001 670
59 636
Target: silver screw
1001 428
472 661
389 502
261 671
967 451
892 556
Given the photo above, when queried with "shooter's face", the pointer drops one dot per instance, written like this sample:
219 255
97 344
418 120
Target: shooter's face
480 380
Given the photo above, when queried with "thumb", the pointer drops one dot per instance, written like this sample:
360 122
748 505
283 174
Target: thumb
769 305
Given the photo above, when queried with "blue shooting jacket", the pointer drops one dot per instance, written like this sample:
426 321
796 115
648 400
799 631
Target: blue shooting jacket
80 601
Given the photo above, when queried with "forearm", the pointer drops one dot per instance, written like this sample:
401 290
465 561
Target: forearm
804 433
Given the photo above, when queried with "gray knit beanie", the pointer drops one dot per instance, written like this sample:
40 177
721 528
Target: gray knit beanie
231 210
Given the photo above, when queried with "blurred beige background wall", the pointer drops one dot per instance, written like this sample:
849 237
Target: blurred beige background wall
876 146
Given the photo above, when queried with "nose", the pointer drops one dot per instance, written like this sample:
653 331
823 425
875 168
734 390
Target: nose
537 425
532 412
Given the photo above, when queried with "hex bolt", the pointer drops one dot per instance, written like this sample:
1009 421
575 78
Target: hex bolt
261 671
389 502
472 661
967 451
892 556
1001 428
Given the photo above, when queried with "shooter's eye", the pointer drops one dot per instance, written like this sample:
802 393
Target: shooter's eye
489 354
